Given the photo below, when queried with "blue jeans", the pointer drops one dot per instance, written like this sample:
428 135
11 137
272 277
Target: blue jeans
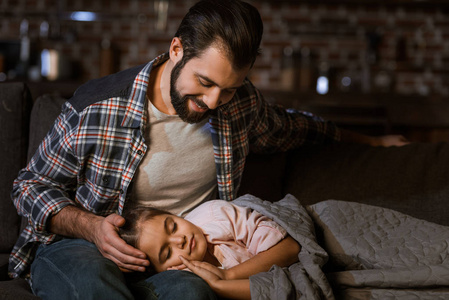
75 269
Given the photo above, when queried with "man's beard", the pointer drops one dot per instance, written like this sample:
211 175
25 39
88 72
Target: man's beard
181 103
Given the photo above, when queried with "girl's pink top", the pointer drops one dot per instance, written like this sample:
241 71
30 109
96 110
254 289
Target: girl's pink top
234 233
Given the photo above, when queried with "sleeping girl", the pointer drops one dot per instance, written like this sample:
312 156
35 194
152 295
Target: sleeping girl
218 241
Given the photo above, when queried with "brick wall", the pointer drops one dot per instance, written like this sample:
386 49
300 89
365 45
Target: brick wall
409 51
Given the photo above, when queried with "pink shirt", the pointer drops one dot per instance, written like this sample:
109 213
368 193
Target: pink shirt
235 234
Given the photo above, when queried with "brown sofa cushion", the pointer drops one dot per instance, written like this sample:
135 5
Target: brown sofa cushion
15 108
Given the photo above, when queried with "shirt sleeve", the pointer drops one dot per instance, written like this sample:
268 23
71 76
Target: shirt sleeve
275 128
43 187
258 232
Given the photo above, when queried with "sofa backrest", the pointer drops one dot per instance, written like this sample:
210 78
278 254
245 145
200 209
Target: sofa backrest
413 179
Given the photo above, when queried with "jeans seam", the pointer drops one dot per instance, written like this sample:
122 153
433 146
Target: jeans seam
146 287
63 276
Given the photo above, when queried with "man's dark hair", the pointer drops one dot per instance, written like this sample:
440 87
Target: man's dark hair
232 25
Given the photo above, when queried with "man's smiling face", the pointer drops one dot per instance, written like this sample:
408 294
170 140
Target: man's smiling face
203 84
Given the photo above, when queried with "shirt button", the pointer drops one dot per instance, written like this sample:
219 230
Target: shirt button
139 152
121 191
105 180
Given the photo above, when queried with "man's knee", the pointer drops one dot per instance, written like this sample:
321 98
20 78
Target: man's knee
74 269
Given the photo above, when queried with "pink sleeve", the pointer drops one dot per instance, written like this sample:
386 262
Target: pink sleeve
262 232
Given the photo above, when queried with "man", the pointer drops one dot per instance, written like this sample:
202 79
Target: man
143 136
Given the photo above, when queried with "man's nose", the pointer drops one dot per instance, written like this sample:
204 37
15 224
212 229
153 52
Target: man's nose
212 98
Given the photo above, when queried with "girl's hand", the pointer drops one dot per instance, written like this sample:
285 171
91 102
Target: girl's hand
179 267
210 273
229 289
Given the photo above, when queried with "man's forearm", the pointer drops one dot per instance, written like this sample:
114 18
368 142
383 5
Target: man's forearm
74 222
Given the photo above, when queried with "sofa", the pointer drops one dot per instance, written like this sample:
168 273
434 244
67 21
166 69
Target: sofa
413 179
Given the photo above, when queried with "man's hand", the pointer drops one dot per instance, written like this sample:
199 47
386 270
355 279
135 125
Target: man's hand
389 140
109 243
74 222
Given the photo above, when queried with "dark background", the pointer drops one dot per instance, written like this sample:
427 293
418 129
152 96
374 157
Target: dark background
387 62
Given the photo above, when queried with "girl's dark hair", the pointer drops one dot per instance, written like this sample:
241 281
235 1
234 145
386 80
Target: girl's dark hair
134 218
233 25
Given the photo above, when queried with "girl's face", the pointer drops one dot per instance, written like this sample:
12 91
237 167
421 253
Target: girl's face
165 237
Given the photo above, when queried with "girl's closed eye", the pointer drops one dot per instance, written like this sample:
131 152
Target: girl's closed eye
173 226
168 254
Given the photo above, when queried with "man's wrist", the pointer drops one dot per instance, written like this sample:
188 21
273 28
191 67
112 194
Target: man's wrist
74 222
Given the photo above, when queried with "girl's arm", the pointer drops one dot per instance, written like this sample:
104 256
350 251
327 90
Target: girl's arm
233 283
282 254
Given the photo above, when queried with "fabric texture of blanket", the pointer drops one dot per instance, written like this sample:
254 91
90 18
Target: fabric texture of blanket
368 252
385 252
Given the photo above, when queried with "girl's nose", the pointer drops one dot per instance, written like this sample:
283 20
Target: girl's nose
178 240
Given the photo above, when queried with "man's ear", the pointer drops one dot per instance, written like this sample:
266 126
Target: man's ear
176 51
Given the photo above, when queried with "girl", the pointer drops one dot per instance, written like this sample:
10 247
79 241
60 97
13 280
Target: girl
216 241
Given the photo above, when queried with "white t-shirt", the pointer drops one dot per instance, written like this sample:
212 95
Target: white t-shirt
178 171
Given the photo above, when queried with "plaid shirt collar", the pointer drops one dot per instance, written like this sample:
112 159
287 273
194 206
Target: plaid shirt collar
135 110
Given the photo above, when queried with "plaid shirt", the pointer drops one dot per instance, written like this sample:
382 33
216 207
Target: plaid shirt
90 155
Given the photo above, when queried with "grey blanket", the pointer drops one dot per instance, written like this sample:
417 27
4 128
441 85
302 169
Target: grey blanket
304 279
379 253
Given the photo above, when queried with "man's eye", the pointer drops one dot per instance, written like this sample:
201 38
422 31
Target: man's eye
174 228
205 84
